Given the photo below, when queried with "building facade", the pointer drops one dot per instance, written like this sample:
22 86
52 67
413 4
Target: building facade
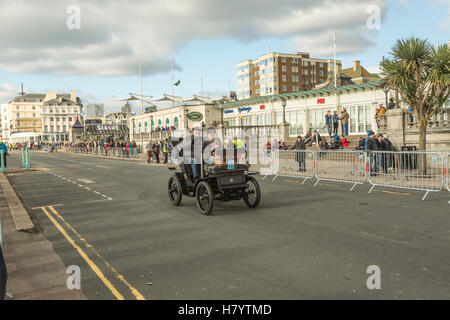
59 113
306 110
6 121
25 111
278 73
94 111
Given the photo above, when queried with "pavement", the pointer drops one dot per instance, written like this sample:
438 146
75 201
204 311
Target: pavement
35 271
112 219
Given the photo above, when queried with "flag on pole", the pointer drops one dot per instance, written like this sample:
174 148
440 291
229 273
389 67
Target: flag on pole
176 84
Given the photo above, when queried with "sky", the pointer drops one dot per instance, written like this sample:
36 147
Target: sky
94 46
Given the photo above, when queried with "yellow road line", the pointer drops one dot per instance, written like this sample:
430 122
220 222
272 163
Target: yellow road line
91 264
133 290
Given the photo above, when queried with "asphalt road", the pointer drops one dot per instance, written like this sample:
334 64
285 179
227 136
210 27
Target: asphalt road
116 223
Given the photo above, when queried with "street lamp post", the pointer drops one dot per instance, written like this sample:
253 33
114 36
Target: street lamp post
283 104
386 91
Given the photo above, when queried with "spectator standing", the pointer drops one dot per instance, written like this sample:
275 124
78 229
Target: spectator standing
300 145
372 145
345 117
329 122
391 104
335 122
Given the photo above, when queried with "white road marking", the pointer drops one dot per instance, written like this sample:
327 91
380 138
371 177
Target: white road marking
87 188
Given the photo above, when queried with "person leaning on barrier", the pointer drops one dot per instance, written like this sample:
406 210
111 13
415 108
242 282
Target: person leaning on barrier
387 159
300 145
372 145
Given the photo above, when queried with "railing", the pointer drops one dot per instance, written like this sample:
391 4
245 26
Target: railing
440 120
120 152
341 166
421 171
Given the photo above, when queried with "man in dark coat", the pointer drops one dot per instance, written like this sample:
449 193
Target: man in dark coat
372 145
300 146
3 276
387 158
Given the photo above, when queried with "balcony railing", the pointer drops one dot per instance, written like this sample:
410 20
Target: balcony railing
440 120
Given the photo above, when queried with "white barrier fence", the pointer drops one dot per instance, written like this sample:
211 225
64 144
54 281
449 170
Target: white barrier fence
421 171
341 166
295 164
447 173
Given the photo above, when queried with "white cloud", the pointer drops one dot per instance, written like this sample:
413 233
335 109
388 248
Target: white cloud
114 32
375 69
8 92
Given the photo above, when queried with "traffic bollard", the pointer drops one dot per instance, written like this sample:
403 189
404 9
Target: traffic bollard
27 159
23 157
2 156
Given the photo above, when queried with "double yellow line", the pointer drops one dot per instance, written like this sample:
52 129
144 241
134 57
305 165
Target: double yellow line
53 216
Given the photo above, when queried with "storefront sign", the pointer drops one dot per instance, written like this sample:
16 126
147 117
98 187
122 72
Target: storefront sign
247 109
195 116
262 107
228 111
321 101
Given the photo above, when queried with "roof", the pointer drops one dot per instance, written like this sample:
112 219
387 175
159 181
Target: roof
304 94
342 80
77 124
29 97
64 101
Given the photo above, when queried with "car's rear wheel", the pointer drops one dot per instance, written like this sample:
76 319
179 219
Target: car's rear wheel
175 191
253 193
205 197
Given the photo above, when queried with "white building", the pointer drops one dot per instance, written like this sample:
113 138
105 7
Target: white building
5 114
59 113
306 110
175 112
94 111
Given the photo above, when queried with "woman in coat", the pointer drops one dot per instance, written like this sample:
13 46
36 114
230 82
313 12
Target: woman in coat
300 145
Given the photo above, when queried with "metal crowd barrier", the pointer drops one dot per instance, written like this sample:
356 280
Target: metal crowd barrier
296 164
415 170
341 166
447 173
263 161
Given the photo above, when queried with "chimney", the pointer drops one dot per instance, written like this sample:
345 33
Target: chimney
50 96
73 95
356 65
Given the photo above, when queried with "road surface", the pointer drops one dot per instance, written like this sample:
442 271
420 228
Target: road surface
113 220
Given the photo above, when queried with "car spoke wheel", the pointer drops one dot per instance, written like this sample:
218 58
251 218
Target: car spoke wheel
205 198
253 193
175 192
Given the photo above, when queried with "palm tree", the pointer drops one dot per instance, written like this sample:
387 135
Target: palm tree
421 75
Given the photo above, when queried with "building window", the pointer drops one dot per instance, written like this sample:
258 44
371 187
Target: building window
283 59
34 115
283 78
284 88
18 115
321 64
283 68
321 73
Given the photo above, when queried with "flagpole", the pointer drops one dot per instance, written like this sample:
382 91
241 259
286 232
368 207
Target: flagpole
201 77
142 101
173 88
335 69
